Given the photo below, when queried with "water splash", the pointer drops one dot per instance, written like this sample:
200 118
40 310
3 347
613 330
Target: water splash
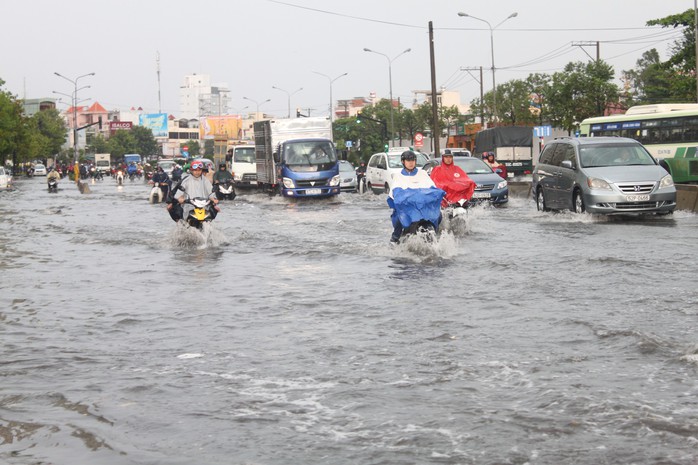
187 237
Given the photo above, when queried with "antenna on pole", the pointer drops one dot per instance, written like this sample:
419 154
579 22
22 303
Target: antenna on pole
157 61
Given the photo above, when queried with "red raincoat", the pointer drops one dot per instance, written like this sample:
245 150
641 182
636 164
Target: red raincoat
452 179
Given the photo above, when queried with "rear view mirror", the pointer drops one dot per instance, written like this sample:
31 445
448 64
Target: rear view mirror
566 164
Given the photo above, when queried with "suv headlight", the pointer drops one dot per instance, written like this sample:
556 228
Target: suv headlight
502 185
667 181
288 183
335 181
596 183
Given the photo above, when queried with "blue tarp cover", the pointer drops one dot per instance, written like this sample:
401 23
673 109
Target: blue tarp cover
413 205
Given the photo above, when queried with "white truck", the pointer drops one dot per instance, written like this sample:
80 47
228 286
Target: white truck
243 165
103 163
296 157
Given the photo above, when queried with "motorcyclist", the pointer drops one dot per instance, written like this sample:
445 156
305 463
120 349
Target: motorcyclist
453 180
222 175
177 173
53 174
495 165
161 179
194 185
132 170
410 177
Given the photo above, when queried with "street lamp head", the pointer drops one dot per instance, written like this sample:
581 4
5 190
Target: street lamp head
463 14
513 15
367 49
408 50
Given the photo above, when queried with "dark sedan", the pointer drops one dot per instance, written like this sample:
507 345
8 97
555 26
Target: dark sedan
490 187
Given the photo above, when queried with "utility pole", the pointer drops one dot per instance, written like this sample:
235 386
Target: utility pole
157 60
596 44
436 130
482 92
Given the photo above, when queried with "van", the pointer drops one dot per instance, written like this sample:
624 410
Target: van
382 166
609 175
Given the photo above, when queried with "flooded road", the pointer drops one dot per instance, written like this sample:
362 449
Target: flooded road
297 335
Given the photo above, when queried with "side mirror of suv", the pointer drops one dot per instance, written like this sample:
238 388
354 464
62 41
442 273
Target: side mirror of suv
567 164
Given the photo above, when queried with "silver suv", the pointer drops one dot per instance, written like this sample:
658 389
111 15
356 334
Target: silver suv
611 175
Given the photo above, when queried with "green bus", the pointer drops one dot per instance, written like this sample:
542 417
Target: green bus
668 131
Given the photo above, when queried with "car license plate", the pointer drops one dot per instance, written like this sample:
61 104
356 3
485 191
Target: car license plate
313 191
481 195
638 198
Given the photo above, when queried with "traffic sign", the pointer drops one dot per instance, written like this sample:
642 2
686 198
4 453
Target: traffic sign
418 139
543 131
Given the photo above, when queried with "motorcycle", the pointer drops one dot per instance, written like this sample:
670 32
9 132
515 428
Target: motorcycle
156 194
202 212
52 185
119 178
454 205
419 211
225 190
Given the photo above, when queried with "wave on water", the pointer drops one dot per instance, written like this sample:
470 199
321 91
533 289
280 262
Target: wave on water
185 236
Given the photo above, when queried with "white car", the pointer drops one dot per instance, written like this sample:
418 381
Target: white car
5 178
382 166
40 170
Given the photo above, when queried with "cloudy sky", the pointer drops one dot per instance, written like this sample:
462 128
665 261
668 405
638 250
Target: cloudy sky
254 45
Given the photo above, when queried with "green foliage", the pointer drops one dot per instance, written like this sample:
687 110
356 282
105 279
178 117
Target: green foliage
193 146
208 147
13 125
120 143
654 81
50 130
146 144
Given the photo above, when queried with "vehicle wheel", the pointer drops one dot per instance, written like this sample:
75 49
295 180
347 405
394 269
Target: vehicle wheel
369 186
386 189
578 202
540 201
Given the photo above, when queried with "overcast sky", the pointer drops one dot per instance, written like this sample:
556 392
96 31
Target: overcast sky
253 45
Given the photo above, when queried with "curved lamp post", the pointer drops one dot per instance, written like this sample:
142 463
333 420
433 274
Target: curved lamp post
390 82
74 99
258 104
331 101
289 94
494 85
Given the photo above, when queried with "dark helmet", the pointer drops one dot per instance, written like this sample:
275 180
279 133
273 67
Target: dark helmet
221 166
408 155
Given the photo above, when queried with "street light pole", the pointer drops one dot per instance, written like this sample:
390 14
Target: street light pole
289 94
75 110
494 84
258 105
331 101
390 83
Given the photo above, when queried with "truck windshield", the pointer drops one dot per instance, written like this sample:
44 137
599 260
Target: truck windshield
244 155
309 155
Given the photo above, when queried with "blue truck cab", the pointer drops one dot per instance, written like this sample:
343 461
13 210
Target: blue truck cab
296 157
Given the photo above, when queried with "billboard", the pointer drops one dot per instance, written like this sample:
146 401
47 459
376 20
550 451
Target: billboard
217 127
156 122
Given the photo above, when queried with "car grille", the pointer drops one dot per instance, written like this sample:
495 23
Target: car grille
636 188
635 205
314 183
249 177
484 187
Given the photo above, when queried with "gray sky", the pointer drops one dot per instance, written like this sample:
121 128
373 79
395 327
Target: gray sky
253 45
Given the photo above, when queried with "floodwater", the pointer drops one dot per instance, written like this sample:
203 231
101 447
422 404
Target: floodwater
296 335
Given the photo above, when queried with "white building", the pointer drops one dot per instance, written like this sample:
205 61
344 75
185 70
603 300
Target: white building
197 97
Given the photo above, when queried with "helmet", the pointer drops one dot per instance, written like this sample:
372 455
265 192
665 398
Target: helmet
490 154
197 165
222 166
408 155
